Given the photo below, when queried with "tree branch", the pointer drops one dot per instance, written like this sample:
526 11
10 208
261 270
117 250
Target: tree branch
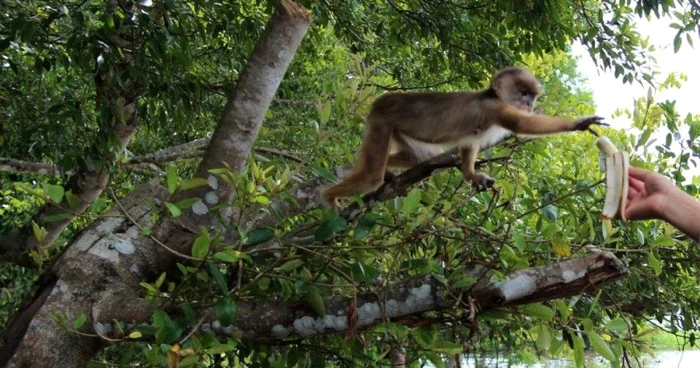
12 165
407 299
237 130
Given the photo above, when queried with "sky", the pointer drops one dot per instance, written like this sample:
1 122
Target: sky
610 93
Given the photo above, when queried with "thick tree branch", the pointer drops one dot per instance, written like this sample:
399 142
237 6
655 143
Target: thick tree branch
411 298
237 130
12 165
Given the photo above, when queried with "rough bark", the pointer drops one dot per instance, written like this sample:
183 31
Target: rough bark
108 260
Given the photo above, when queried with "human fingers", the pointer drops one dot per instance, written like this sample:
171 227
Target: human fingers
638 173
637 184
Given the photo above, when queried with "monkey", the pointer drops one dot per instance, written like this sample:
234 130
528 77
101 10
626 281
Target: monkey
404 129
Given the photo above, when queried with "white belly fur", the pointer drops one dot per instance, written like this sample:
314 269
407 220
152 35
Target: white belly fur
487 138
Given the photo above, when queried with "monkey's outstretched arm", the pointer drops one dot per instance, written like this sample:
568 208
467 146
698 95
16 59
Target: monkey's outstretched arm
521 122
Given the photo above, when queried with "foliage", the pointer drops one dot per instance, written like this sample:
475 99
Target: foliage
546 209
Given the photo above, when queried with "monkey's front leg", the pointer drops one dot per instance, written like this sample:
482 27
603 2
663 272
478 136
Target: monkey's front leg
480 180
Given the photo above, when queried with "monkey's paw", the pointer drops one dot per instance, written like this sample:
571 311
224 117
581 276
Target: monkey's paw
585 123
482 181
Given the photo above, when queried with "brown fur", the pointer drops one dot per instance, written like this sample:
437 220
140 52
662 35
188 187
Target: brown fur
404 129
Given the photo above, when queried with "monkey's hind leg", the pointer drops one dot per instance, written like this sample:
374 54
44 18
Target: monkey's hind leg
368 173
480 180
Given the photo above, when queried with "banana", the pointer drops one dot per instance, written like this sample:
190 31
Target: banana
616 178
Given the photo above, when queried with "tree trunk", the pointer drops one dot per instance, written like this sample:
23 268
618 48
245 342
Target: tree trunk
104 265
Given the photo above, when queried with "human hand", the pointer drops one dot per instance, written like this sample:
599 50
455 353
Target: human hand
648 195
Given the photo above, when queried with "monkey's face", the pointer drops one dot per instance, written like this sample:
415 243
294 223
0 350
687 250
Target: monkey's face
518 88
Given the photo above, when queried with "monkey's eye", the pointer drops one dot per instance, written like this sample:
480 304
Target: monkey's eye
524 93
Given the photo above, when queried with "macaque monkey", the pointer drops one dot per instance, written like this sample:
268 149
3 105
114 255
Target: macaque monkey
404 129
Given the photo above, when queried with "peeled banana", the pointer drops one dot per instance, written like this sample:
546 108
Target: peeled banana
616 178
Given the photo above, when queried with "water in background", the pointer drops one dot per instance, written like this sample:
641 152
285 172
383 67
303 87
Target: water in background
663 359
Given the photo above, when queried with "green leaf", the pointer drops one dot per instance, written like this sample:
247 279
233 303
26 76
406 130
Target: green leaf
232 256
425 337
544 337
365 225
289 266
171 178
677 41
200 249
135 335
435 359
225 310
329 227
601 346
186 203
644 137
519 241
410 203
446 347
190 315
262 200
640 236
617 326
160 280
550 212
578 350
562 308
98 205
363 272
322 172
39 232
259 235
218 277
220 348
166 330
540 311
663 241
606 228
174 210
465 282
654 263
316 302
72 199
324 113
193 183
55 192
80 321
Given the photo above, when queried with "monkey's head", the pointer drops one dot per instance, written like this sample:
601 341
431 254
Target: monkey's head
517 87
